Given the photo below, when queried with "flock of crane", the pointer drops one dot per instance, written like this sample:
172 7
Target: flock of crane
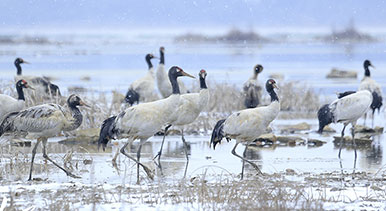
177 107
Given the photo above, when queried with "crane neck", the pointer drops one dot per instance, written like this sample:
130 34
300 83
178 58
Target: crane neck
273 95
78 117
18 67
367 71
149 64
254 76
175 87
203 83
162 57
20 93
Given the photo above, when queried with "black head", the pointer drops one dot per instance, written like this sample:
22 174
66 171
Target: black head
22 83
367 63
325 117
149 56
20 61
258 68
162 49
175 72
131 97
270 85
202 74
73 101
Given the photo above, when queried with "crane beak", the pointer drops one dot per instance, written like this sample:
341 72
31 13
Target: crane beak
25 62
275 86
28 86
84 104
372 66
187 74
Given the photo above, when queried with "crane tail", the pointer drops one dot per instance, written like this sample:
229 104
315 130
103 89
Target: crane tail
131 97
217 133
7 123
377 101
344 94
106 132
325 117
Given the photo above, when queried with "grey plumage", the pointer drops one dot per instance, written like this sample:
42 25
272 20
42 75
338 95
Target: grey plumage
44 121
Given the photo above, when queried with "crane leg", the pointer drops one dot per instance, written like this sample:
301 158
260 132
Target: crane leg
114 160
147 170
341 140
33 158
138 159
186 152
364 122
372 119
53 162
244 155
162 145
242 158
353 141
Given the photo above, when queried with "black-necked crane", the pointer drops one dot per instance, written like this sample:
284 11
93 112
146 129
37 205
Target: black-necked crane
189 109
373 87
247 125
252 89
142 121
324 113
9 104
163 84
43 87
348 110
44 121
142 89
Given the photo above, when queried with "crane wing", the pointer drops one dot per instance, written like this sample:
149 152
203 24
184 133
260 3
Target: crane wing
37 118
351 107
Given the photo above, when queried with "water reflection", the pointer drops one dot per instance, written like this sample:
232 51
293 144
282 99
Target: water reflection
374 154
85 159
253 153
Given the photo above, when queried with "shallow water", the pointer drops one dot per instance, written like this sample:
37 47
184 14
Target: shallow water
203 159
113 60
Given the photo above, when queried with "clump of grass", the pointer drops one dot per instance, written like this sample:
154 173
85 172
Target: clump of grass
296 101
295 97
268 192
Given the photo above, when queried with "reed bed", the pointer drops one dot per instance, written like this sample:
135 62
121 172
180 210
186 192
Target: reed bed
297 101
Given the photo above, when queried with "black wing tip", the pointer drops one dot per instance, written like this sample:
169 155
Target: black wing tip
106 132
377 101
217 135
321 127
344 94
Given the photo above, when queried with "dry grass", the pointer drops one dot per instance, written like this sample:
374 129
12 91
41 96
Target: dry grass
269 192
296 101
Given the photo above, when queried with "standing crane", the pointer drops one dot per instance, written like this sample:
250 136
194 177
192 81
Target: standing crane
190 107
142 89
43 87
247 125
163 84
142 121
9 104
348 110
252 89
45 121
374 88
